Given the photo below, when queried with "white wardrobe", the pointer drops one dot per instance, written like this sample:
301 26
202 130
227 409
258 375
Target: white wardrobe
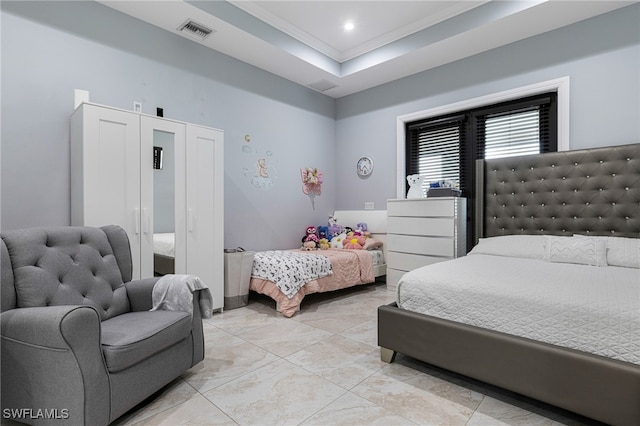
113 178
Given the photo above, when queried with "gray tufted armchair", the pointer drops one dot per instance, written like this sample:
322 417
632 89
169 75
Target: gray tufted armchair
79 344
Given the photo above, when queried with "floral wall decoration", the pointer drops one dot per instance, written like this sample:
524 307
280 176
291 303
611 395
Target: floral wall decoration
311 182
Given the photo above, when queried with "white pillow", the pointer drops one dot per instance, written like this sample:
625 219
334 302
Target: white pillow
582 250
624 252
525 246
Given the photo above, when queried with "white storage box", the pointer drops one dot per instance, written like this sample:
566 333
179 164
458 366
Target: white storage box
237 275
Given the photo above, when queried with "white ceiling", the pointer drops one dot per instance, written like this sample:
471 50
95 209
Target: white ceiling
305 41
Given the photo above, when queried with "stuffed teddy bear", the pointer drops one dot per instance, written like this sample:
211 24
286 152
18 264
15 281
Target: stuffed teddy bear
415 186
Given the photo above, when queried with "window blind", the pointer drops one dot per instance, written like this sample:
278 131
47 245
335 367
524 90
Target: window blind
437 149
447 147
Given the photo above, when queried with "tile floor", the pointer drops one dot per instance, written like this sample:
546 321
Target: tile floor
322 367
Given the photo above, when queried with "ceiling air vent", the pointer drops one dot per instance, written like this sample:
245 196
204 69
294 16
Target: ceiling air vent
196 30
322 85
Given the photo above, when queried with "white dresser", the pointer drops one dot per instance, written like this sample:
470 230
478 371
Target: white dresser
424 231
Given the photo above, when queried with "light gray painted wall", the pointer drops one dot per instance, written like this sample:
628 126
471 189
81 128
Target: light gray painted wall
51 48
601 56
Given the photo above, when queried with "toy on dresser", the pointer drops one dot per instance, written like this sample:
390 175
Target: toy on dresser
415 186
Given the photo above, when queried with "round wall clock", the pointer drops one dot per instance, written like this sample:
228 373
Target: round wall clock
364 166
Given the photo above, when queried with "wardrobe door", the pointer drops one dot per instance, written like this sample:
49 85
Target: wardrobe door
105 171
205 227
163 184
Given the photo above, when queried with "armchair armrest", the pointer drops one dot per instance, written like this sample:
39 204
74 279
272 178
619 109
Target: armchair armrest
140 293
52 360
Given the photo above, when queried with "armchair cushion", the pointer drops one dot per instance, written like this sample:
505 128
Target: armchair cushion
135 336
66 266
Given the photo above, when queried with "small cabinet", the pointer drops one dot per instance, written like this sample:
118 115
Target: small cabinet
423 231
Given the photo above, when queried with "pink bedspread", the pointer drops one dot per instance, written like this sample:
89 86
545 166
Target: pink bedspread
350 268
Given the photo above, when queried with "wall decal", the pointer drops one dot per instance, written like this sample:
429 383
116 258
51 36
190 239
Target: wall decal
261 171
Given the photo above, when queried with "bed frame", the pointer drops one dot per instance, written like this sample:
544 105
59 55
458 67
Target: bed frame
595 191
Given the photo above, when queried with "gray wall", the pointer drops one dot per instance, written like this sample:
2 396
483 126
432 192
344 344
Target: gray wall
51 48
601 56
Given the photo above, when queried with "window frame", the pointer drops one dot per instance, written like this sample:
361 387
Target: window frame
560 86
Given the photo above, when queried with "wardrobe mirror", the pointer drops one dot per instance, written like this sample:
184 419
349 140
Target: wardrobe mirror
164 203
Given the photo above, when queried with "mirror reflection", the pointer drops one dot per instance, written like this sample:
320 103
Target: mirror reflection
163 204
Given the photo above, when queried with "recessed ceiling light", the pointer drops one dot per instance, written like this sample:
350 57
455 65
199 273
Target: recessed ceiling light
349 26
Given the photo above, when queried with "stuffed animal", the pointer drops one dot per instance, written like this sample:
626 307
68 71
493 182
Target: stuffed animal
310 243
362 227
323 232
336 241
354 242
334 228
415 186
311 230
323 244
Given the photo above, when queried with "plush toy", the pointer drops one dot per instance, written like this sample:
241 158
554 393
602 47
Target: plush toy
362 227
323 244
311 230
336 241
310 243
354 242
415 186
323 232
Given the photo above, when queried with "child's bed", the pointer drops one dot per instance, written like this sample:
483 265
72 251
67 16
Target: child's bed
305 272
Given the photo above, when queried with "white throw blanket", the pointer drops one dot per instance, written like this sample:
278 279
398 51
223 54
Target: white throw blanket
290 270
175 293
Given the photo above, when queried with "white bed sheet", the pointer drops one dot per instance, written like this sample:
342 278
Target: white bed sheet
587 308
378 257
164 244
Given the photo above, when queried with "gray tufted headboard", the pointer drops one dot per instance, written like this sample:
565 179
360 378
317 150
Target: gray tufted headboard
592 191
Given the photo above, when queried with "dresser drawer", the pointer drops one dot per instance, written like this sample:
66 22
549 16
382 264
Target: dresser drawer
436 227
427 207
420 245
409 262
